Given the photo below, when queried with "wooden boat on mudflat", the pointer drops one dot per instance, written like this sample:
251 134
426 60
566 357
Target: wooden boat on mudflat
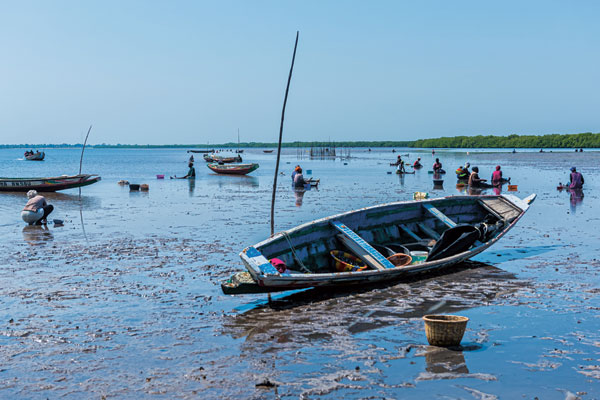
267 151
37 156
47 184
233 169
435 233
215 158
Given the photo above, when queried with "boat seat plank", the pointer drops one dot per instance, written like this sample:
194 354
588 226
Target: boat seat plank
410 233
361 248
501 208
433 234
260 262
440 215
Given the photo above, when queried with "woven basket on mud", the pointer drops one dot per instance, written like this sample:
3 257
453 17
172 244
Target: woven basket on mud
445 330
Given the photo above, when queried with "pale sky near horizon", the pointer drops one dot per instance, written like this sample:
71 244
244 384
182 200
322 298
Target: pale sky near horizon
166 72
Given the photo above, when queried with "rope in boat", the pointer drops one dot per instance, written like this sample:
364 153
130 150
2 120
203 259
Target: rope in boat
296 258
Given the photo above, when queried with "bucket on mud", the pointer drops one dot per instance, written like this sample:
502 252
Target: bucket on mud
445 330
400 259
513 188
144 187
160 177
134 187
309 172
418 256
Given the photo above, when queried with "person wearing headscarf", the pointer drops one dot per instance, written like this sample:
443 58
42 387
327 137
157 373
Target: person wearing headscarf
299 181
474 179
437 166
576 179
37 209
463 172
295 172
497 176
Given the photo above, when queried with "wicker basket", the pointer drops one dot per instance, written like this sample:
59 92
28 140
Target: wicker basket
445 330
399 259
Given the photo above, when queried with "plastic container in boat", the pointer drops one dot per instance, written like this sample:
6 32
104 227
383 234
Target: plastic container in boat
418 256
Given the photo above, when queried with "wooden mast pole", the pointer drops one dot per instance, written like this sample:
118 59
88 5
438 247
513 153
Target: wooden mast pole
287 89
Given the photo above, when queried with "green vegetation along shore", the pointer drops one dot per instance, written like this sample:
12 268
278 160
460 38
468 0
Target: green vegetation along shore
578 140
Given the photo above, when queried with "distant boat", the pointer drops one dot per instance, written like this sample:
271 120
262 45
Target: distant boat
37 156
233 169
377 244
46 184
201 151
267 151
215 158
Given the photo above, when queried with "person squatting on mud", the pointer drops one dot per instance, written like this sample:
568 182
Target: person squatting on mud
37 209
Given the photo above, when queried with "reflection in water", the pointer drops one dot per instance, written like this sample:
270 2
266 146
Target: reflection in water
37 235
192 186
232 180
576 197
310 314
55 198
401 179
299 195
445 361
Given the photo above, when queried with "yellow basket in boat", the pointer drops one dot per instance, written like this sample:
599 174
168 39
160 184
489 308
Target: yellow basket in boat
445 330
346 262
513 188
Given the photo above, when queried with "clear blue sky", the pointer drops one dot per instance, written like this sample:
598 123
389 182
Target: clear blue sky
194 72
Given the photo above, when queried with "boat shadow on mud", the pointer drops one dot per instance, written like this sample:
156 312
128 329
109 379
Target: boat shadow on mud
310 313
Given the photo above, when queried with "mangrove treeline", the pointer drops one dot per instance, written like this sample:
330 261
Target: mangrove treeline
578 140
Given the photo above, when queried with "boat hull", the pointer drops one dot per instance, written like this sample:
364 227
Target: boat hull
36 157
233 169
46 184
312 242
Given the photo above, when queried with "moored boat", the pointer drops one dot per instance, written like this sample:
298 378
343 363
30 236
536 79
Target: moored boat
221 159
201 151
37 156
267 151
435 234
47 184
233 169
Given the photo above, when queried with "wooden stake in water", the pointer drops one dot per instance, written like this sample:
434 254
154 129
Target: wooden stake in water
81 159
287 89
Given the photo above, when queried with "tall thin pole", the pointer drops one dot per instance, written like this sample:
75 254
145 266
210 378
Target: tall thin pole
287 89
81 159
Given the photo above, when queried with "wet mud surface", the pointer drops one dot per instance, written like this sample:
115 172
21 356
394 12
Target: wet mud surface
124 300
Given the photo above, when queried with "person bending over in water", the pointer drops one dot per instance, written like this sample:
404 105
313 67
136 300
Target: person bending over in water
474 179
37 209
576 179
437 167
295 172
417 163
299 181
463 172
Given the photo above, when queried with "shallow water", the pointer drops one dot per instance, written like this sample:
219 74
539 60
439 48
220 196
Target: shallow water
124 300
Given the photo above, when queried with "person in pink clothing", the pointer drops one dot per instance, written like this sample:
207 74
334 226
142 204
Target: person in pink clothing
576 179
497 176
